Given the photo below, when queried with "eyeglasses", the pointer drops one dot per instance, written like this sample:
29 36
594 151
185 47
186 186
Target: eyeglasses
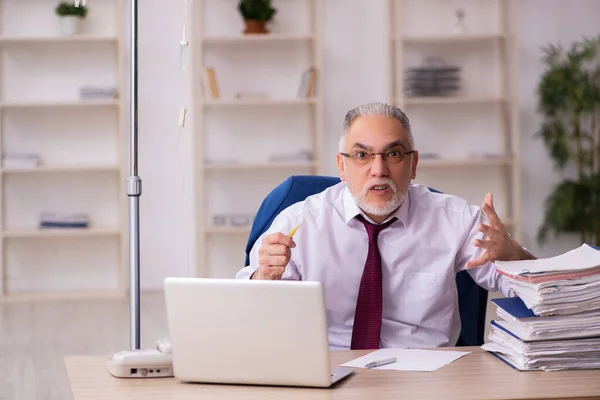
361 157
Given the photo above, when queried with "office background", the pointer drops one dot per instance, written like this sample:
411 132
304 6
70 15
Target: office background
180 214
48 110
355 62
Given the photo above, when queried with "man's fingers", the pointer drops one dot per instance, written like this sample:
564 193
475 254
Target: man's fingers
272 272
274 261
274 250
492 216
477 262
486 230
489 199
279 238
279 250
484 244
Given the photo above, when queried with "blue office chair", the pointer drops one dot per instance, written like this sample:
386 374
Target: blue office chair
472 298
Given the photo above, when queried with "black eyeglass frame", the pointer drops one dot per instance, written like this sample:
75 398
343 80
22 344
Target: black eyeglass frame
382 154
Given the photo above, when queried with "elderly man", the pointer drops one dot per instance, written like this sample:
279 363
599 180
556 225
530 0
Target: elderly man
386 251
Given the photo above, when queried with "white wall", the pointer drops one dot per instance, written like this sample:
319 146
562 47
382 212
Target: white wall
355 65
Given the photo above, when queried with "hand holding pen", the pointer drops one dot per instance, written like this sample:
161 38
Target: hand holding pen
274 254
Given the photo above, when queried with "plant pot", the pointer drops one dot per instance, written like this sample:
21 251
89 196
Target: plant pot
70 25
255 26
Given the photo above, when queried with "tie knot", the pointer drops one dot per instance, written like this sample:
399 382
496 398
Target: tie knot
374 229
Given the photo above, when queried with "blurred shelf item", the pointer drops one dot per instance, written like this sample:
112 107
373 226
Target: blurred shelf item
62 168
440 100
217 230
60 232
257 38
59 104
45 40
451 38
258 102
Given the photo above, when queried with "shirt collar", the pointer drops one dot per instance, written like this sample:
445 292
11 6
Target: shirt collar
351 209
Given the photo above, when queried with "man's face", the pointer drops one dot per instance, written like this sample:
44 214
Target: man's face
378 185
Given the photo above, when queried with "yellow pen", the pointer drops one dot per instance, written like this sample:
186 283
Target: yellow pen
295 229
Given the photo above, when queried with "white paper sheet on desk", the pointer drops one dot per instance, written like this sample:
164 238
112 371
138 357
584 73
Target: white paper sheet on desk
409 359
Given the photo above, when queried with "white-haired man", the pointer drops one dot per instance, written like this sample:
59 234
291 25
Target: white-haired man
386 251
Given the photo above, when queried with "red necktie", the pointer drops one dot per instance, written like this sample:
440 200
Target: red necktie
368 315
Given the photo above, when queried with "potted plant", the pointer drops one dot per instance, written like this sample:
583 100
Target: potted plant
256 14
569 101
70 17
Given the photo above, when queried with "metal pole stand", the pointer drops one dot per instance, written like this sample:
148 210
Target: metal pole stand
134 191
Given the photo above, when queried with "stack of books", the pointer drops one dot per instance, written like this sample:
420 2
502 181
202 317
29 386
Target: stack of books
553 323
20 160
63 220
98 92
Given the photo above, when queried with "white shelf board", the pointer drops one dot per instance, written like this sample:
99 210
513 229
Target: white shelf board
257 102
464 162
59 295
258 165
59 232
256 38
61 168
439 100
54 104
57 39
444 39
228 230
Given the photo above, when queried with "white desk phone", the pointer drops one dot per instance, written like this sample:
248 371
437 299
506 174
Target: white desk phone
146 363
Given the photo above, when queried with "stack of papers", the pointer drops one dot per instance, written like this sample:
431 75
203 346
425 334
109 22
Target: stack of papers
564 284
554 323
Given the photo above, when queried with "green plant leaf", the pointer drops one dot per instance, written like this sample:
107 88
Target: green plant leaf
260 10
65 9
553 131
568 96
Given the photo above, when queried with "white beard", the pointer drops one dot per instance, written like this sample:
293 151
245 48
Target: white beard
397 199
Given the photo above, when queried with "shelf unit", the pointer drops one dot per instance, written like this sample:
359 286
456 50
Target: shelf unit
81 144
249 129
482 116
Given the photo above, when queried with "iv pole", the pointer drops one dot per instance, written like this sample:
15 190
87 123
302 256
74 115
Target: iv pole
134 185
134 189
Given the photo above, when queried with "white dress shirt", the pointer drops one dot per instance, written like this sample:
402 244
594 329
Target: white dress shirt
421 253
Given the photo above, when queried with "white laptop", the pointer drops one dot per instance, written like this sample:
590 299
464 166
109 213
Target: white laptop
249 332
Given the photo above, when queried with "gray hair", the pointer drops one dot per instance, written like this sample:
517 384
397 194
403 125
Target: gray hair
378 109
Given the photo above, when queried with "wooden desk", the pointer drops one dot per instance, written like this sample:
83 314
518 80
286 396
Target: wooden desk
478 375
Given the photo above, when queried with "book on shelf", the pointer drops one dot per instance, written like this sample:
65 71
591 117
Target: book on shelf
88 92
209 83
63 220
20 160
553 323
308 83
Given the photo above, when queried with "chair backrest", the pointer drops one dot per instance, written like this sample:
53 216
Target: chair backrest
472 298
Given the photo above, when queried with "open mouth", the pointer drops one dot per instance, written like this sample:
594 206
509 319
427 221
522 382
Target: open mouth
380 188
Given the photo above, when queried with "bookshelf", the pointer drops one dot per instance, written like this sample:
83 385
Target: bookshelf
80 143
481 116
256 123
